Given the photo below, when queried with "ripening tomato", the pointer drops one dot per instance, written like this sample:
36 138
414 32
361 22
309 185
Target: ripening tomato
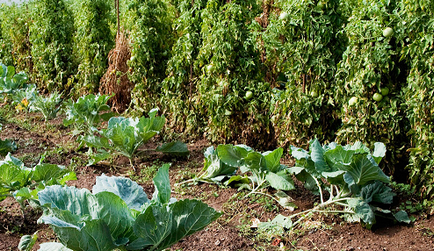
384 91
353 101
283 15
388 32
249 95
377 97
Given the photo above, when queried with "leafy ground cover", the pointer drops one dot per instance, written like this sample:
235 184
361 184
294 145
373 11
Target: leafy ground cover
232 231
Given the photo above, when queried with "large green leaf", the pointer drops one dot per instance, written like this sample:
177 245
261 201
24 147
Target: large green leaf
77 201
49 173
280 182
254 161
233 155
162 185
7 146
13 175
379 151
176 148
94 141
362 210
53 246
189 216
358 147
299 153
214 167
377 192
272 160
148 127
317 156
93 236
402 216
116 214
364 169
339 158
128 190
152 227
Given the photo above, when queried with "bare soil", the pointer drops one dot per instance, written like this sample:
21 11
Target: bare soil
232 231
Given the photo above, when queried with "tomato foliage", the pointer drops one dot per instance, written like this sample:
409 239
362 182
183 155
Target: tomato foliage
93 41
51 36
262 73
302 46
14 39
150 25
417 31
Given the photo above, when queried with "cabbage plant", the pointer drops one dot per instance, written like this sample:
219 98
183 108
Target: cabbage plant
9 81
126 135
23 183
264 168
351 178
117 214
87 113
48 106
7 146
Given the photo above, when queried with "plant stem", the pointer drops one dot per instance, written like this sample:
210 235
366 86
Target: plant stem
320 189
131 163
316 209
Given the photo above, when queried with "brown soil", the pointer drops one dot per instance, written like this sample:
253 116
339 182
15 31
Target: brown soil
231 232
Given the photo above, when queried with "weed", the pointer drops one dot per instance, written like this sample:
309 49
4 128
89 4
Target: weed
146 173
426 231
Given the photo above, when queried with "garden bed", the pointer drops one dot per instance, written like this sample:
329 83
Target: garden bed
232 231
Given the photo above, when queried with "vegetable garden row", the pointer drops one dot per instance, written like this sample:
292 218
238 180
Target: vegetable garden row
249 75
265 73
117 214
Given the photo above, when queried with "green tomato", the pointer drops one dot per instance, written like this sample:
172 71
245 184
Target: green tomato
228 113
209 67
388 32
377 97
283 15
314 94
384 91
249 95
320 5
353 101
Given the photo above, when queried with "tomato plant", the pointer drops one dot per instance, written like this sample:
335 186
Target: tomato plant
93 41
151 35
301 53
418 51
370 64
180 85
228 62
51 36
15 46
